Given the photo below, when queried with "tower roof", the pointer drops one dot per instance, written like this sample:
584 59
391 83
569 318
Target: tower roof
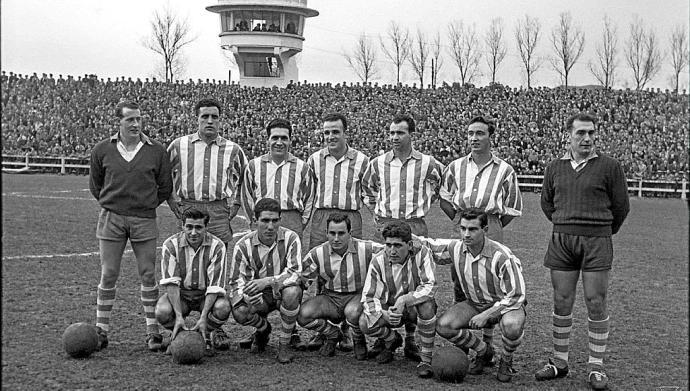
296 6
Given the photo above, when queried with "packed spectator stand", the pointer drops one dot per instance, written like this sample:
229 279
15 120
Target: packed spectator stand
65 116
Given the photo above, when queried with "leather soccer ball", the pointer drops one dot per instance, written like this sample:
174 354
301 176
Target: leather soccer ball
450 364
80 339
188 347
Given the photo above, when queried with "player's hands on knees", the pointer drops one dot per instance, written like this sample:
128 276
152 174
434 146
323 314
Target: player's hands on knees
179 326
202 327
254 300
255 287
394 316
478 321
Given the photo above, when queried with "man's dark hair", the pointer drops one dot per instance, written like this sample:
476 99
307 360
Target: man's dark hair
207 102
582 117
195 214
339 218
405 118
332 117
397 229
125 104
486 121
279 123
266 205
475 213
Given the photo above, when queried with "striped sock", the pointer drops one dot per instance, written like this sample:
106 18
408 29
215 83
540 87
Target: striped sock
287 324
427 332
104 306
510 345
410 329
149 297
598 337
562 326
488 335
257 322
465 339
383 332
328 329
213 321
357 334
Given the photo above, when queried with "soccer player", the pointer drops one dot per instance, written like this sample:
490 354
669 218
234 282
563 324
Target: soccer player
193 275
400 185
585 196
341 265
490 276
481 180
399 289
130 177
281 176
265 276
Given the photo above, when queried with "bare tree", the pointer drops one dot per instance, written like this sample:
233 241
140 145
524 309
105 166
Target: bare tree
419 55
399 49
642 53
436 59
465 50
527 37
495 47
362 60
679 51
169 35
607 53
568 43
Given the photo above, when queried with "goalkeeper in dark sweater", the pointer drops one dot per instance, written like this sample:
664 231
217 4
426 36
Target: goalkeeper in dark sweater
585 196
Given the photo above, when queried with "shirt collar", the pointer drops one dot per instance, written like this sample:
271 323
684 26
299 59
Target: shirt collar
267 158
219 140
415 154
280 237
493 159
569 155
487 252
350 153
144 138
184 243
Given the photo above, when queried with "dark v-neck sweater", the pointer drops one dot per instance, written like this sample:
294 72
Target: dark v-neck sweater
591 202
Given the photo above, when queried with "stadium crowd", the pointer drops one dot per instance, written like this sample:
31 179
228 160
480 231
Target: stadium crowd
646 131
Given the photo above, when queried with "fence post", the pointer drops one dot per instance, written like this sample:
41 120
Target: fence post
26 160
683 195
639 189
62 166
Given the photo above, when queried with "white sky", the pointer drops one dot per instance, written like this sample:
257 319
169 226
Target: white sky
76 37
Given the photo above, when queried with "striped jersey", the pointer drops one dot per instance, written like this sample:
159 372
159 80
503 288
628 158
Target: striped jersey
207 172
492 278
252 260
402 190
387 281
291 183
493 187
200 269
345 274
338 182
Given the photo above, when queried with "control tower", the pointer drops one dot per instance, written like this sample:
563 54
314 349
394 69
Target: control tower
263 36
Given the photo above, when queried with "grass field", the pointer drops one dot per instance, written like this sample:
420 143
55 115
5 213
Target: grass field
46 218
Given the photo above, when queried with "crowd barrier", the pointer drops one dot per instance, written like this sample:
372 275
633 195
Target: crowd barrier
80 165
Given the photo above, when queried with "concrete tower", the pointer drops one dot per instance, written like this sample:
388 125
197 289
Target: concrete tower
263 36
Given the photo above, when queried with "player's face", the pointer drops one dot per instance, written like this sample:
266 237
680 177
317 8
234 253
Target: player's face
582 137
209 122
478 137
399 136
194 230
267 226
338 235
397 250
334 135
472 233
130 124
279 142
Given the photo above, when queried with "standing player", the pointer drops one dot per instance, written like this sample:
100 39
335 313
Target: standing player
341 265
585 196
400 185
265 271
399 289
130 177
193 274
481 180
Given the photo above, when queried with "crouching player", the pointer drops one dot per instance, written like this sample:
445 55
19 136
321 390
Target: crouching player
491 278
341 266
265 276
399 289
193 275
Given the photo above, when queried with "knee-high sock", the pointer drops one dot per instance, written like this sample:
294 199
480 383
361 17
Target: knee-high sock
258 322
510 345
598 337
357 334
328 329
427 333
562 326
104 306
410 329
465 339
488 335
214 322
287 323
149 297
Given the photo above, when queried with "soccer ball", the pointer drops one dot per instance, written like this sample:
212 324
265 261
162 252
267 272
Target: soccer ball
450 364
80 339
188 347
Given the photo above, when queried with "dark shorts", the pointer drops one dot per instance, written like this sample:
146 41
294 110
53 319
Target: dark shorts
317 234
340 300
218 211
191 300
116 227
574 252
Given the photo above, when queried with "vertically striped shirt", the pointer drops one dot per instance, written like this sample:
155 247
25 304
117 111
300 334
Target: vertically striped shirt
252 260
493 187
491 279
200 269
402 190
338 182
291 183
207 172
387 281
345 273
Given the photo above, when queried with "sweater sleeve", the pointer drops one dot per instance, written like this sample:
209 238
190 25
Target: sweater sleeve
547 193
164 177
618 193
96 173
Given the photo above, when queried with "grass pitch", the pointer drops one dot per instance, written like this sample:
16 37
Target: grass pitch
50 270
